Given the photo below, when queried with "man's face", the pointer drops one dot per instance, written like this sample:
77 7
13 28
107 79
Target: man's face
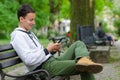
28 21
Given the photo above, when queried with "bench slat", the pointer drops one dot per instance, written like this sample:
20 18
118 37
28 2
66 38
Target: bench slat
10 62
8 55
5 47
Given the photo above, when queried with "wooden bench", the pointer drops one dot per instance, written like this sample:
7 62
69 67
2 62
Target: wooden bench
100 54
9 57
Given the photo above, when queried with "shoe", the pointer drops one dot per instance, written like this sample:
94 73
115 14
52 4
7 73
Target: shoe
86 65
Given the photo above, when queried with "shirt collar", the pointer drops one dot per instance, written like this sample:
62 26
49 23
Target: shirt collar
19 28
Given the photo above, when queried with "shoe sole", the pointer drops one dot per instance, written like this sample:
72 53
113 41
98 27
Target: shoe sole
81 68
89 68
94 68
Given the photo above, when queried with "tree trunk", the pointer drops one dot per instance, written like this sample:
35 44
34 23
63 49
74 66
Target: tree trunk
82 13
54 9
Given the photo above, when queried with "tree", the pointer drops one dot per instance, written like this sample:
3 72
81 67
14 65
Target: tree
82 13
116 11
54 9
7 20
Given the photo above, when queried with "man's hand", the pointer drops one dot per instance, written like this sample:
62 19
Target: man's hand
53 47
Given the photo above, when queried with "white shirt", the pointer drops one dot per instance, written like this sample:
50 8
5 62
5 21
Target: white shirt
30 51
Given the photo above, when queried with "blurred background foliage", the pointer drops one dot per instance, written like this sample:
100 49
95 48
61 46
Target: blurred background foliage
47 11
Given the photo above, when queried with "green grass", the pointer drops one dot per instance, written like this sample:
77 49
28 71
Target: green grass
4 41
44 42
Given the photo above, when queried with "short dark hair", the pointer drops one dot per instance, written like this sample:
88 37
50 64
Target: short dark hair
24 10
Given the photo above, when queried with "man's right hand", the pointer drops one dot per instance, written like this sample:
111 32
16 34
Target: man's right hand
53 47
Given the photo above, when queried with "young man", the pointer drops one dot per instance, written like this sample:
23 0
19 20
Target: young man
35 56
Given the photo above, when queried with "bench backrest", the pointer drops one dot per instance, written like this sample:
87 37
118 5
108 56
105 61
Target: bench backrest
8 57
85 34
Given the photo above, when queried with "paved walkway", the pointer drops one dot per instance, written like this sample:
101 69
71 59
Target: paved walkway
111 71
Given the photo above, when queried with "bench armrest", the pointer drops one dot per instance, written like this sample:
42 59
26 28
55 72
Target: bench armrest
57 39
29 74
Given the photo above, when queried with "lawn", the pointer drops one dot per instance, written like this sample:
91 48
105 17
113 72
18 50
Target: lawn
44 42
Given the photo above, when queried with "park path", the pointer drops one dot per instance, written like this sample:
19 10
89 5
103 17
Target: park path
111 71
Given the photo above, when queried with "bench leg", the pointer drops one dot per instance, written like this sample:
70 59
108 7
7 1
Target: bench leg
2 76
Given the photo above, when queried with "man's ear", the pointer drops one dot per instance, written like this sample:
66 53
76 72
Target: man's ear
21 19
